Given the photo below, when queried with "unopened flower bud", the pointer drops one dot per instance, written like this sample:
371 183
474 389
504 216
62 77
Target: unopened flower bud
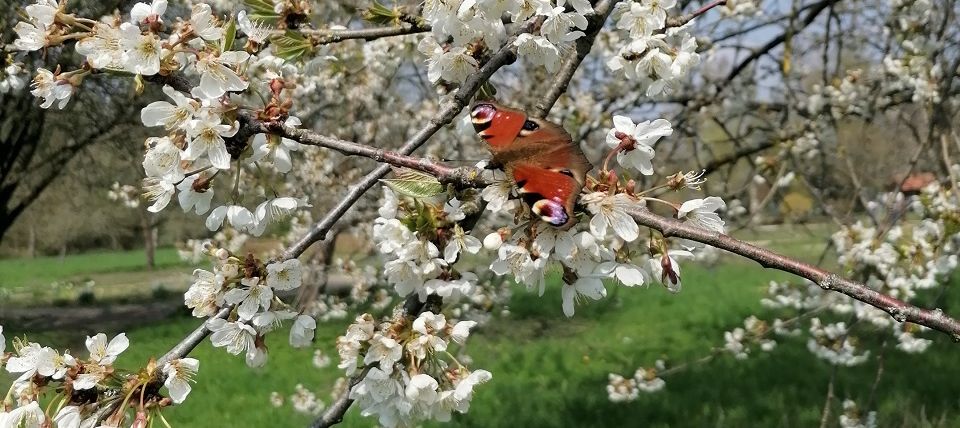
493 241
276 86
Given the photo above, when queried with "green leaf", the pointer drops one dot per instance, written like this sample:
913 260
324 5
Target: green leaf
261 10
229 35
487 91
291 45
381 14
260 6
414 184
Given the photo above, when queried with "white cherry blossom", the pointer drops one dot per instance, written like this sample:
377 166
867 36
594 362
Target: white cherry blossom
251 299
103 352
275 148
640 138
460 241
190 198
43 12
142 51
30 37
216 78
206 137
202 21
236 337
539 50
179 374
105 49
53 90
702 212
239 217
170 116
160 191
612 212
302 331
144 13
68 417
284 275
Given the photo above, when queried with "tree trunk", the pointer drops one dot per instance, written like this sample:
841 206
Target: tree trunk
32 242
149 239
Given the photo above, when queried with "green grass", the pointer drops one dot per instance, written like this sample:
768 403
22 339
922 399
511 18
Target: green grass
79 267
550 371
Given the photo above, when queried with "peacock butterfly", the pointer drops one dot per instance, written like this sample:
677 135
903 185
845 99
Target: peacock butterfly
541 158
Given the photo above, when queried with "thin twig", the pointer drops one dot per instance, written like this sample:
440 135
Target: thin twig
328 36
825 415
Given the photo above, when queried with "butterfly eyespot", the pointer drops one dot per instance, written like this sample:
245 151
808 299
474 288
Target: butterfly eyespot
530 126
551 212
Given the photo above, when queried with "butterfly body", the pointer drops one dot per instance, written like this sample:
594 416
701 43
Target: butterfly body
540 157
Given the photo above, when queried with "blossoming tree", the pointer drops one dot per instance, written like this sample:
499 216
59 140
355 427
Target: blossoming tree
270 112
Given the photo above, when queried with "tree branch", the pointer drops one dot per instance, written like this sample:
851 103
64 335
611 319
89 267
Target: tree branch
572 63
191 341
329 36
669 227
899 310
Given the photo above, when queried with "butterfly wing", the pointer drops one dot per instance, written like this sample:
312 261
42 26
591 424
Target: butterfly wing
551 194
548 168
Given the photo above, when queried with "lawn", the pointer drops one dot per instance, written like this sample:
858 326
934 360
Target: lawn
551 371
79 267
111 275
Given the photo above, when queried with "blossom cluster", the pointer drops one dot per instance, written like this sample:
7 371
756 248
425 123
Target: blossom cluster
407 371
80 387
648 380
472 25
201 121
902 259
250 289
654 55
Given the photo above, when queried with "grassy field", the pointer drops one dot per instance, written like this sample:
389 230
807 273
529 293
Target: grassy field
79 267
114 275
550 371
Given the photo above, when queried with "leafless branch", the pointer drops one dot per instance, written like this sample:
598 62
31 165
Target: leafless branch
191 341
572 63
329 36
899 310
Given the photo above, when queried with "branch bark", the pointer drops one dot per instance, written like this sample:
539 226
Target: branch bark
572 63
899 310
669 227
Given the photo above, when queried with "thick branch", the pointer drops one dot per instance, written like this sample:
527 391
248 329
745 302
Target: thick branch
899 310
572 63
190 342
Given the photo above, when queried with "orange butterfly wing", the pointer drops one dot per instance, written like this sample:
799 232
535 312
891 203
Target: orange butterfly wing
550 194
548 168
